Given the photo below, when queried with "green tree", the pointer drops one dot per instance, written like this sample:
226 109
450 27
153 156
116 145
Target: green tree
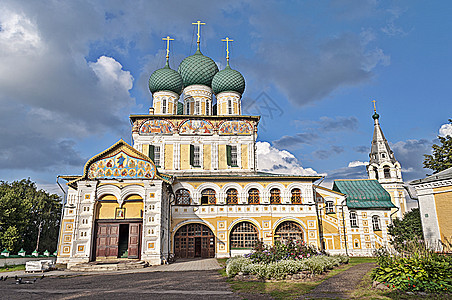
29 218
441 158
408 228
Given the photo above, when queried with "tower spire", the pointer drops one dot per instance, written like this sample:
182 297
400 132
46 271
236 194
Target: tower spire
199 23
167 39
227 40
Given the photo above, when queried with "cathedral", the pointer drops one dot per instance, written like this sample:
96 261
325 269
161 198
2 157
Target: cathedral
188 185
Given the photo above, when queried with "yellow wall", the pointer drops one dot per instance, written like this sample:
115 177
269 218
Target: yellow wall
107 210
245 157
133 209
169 156
207 157
184 157
443 203
145 150
222 163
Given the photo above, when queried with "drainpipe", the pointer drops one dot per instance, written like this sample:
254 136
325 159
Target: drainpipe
170 190
319 221
343 224
62 212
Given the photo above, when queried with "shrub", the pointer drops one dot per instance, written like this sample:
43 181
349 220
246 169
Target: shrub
292 250
415 269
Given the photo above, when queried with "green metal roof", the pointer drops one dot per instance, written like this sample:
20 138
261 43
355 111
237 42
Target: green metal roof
228 80
165 79
364 193
197 69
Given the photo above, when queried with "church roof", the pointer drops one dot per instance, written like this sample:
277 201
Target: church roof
380 151
363 193
197 69
443 175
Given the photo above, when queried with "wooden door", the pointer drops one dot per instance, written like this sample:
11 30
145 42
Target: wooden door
134 240
107 240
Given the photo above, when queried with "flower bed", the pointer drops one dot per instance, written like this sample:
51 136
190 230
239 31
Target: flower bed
418 270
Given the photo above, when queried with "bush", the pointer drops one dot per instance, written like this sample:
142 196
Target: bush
416 269
280 269
289 250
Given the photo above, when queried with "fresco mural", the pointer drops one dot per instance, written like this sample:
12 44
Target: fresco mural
201 127
121 165
235 128
156 127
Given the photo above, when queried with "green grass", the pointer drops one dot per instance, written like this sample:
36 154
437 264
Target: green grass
12 268
287 289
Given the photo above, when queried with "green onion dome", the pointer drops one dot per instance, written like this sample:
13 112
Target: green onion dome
197 69
375 116
165 79
228 80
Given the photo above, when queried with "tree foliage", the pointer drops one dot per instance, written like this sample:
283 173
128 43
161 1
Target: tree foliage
25 214
407 229
441 158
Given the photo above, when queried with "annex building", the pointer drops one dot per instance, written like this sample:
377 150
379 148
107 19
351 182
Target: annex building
188 185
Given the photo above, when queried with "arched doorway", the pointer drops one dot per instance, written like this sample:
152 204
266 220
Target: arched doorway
288 230
244 235
194 240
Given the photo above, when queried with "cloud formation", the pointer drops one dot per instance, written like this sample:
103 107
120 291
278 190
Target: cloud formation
445 130
410 154
273 160
294 141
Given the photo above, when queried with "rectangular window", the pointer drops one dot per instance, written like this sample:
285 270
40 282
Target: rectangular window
207 108
188 108
164 105
231 154
195 155
197 108
329 207
157 156
230 106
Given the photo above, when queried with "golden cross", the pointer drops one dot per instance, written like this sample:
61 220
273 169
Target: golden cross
199 27
375 108
227 40
167 39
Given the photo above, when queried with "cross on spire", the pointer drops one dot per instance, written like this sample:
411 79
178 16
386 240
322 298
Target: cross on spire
167 39
375 108
227 40
199 23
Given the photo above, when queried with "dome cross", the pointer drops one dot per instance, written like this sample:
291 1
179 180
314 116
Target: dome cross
167 39
199 23
375 108
227 40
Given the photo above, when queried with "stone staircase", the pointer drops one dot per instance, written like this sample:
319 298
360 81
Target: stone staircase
113 265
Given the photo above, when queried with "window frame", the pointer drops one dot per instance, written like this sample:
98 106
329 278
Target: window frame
230 194
243 235
253 196
230 150
164 105
354 220
182 194
293 197
376 224
209 195
275 198
195 156
329 207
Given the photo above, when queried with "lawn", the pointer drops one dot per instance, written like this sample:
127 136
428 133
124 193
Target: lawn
287 289
12 268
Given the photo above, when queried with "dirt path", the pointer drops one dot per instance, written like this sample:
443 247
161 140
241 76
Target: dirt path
341 285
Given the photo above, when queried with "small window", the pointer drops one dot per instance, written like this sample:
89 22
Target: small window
376 223
275 196
188 108
387 172
329 207
157 155
232 196
230 108
197 108
356 243
376 173
231 154
296 196
353 219
195 155
383 155
208 196
207 108
182 197
164 105
253 196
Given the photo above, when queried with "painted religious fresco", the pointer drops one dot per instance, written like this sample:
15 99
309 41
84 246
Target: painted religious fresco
121 165
156 127
235 128
201 127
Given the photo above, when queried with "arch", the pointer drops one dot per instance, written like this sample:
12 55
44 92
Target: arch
243 235
285 219
232 196
244 219
194 240
192 221
295 196
275 196
208 196
253 196
132 190
387 172
109 189
233 185
289 230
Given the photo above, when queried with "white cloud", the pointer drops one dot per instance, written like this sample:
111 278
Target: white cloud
446 129
357 163
273 160
110 73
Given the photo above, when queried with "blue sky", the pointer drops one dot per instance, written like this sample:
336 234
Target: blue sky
72 72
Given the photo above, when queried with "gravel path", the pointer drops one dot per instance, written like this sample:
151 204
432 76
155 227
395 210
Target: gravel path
339 286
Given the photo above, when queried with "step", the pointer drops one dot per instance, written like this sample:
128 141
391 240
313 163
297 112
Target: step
105 266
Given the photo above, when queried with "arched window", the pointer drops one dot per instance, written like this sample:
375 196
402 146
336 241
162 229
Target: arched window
244 235
288 230
182 197
387 172
231 196
296 196
376 223
208 197
253 196
164 106
275 196
329 207
230 106
353 219
376 173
